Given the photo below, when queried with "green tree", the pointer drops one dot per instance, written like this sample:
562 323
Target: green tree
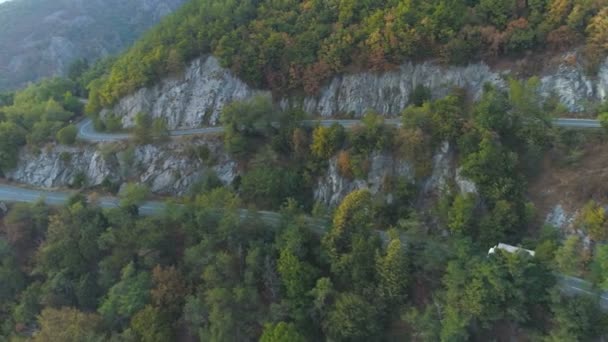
13 280
281 332
11 138
68 255
297 276
568 257
425 324
142 132
577 318
159 129
67 135
420 95
149 325
461 214
600 266
69 325
327 140
393 273
350 243
126 297
133 194
497 12
603 119
245 121
594 221
352 318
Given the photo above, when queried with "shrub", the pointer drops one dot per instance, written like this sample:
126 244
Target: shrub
110 186
133 194
269 186
67 135
143 128
420 95
79 180
603 119
360 166
344 164
327 140
159 129
65 157
209 181
113 123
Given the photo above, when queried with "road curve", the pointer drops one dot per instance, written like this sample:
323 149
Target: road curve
10 193
87 132
575 286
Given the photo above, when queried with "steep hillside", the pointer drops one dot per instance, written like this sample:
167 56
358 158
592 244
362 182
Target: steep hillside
40 38
197 96
294 46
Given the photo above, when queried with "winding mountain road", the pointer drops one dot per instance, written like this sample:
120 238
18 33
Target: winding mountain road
86 132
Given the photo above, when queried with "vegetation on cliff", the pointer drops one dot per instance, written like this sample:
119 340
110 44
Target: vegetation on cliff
297 45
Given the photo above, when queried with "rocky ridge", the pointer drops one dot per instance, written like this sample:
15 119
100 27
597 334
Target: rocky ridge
167 168
197 97
173 168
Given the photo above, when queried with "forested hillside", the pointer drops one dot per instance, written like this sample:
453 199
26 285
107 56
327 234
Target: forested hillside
293 45
41 38
253 252
372 269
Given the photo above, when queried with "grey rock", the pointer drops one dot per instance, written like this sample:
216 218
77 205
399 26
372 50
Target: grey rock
442 172
560 218
164 168
197 97
389 93
465 185
194 99
571 85
332 187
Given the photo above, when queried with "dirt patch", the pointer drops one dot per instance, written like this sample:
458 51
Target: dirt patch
571 176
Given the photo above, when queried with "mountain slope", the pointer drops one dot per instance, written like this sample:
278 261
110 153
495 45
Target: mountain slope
40 38
295 45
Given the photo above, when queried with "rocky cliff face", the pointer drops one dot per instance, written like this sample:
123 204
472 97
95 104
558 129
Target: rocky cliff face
332 187
173 168
196 98
166 168
385 168
389 93
573 86
41 38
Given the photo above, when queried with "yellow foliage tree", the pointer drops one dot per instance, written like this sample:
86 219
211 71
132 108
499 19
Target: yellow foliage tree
594 221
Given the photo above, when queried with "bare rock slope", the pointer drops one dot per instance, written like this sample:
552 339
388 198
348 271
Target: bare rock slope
197 97
168 168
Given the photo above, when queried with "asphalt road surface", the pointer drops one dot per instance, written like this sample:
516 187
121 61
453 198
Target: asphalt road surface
577 123
9 193
575 286
86 130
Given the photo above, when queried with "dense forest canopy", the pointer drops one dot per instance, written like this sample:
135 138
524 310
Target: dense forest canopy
370 270
406 261
289 45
